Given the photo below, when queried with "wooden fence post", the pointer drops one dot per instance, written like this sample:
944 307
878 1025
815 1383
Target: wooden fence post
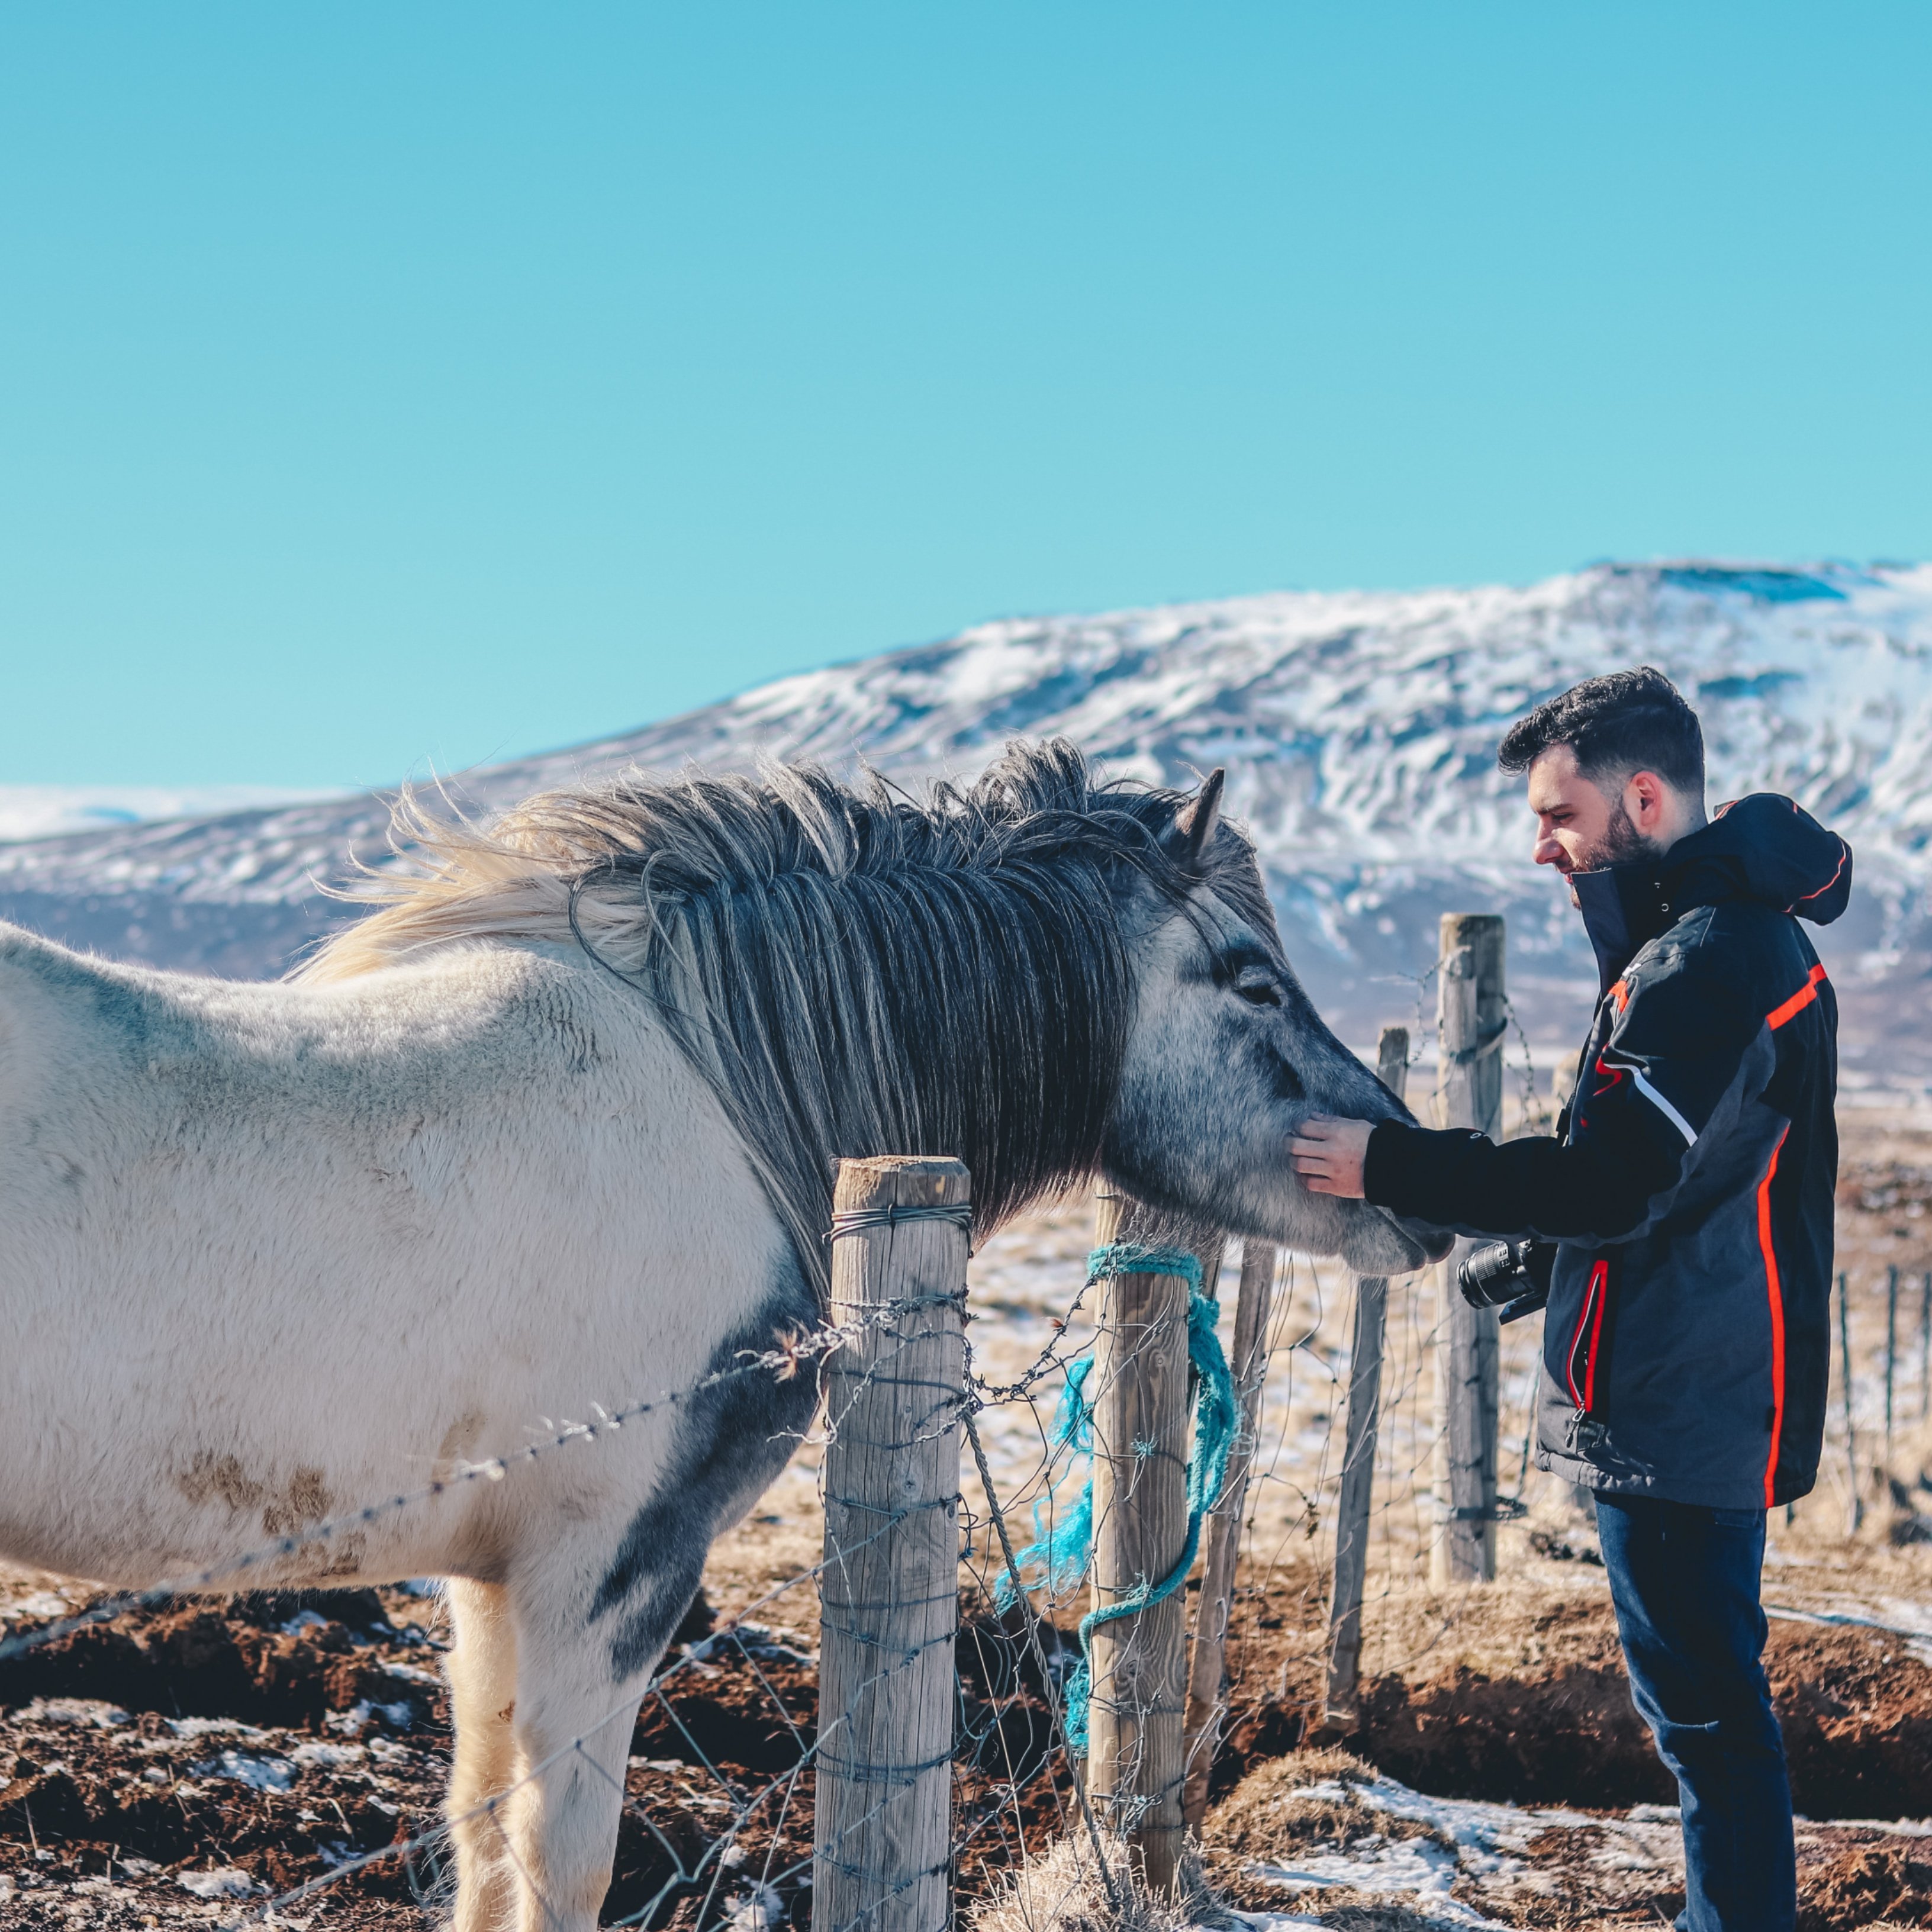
1470 1023
1137 1388
1924 1346
888 1595
1207 1661
1891 1354
1343 1712
1858 1504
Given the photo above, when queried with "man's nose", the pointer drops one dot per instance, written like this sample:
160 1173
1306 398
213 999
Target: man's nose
1547 850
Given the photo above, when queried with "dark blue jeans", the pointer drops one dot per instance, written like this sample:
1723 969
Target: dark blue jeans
1684 1581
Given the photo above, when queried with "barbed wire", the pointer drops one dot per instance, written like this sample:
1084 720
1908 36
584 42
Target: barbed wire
744 1857
996 1812
782 1361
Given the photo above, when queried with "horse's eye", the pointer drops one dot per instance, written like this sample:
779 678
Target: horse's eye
1259 987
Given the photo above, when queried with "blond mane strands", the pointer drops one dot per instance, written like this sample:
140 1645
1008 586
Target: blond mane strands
512 880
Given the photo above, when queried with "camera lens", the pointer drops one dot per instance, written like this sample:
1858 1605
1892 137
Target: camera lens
1492 1274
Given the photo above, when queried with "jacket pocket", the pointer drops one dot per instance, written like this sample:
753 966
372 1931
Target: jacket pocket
1587 1341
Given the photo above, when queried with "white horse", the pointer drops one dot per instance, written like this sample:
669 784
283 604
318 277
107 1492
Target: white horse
555 1128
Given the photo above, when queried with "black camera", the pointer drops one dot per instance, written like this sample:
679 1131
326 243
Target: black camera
1513 1275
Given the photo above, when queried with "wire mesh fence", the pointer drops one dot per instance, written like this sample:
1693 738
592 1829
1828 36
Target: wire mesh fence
715 1773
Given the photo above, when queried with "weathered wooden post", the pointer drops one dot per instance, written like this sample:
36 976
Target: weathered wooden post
889 1596
1924 1346
1858 1504
1891 1353
1207 1661
1470 1023
1139 1393
1343 1712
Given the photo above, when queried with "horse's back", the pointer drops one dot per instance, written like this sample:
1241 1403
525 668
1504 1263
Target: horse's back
291 1229
179 1046
411 1091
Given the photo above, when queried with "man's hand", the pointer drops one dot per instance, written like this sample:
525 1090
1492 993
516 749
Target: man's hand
1328 1155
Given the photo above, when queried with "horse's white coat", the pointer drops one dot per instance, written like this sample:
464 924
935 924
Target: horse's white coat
273 1252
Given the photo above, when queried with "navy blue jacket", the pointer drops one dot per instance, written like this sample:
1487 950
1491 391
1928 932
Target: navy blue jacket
1690 1186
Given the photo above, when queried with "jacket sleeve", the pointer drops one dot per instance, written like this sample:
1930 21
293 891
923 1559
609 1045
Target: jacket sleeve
1596 1191
1635 1135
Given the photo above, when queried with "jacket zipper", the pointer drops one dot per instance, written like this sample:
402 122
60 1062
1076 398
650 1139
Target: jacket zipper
1582 1366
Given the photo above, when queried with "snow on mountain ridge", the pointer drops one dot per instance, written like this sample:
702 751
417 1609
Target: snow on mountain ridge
1359 729
1365 723
54 811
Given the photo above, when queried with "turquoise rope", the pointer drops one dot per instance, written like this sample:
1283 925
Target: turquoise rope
1064 1553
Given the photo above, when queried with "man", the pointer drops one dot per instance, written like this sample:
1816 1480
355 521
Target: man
1688 1192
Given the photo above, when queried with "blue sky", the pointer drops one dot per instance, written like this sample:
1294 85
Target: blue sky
395 385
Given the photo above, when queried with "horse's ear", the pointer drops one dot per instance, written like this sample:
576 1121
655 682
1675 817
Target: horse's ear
1196 820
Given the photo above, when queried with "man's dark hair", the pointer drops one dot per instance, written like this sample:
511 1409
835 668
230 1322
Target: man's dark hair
1631 721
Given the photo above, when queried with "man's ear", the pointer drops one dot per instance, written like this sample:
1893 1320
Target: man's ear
1646 800
1196 820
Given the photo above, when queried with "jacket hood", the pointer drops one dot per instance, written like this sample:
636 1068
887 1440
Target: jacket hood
1763 847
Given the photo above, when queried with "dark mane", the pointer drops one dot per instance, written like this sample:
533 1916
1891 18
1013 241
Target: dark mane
855 971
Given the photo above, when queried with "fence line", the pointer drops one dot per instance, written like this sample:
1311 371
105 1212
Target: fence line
1341 1711
999 1810
1007 1781
893 1401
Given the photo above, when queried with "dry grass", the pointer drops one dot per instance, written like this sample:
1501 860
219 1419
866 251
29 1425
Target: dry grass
1064 1891
1273 1809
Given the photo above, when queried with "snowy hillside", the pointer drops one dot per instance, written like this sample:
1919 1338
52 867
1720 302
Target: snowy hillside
49 811
1358 729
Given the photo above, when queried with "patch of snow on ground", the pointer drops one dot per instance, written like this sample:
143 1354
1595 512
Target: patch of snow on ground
1488 1840
88 1711
329 1757
352 1723
213 1727
224 1883
34 1606
1900 1616
259 1774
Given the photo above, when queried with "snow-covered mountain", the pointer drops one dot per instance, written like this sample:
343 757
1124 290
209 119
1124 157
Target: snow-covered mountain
1358 729
50 811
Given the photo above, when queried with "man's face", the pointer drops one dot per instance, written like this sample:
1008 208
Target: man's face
1579 827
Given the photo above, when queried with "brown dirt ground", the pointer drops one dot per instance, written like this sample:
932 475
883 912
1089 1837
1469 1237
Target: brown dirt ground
1532 1705
111 1816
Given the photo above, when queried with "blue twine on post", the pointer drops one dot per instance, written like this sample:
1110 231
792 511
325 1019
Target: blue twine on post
1064 1553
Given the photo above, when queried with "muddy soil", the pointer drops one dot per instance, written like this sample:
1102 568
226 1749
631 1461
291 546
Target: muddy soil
189 1765
1558 1728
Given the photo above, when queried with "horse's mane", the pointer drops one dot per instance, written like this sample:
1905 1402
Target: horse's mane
853 971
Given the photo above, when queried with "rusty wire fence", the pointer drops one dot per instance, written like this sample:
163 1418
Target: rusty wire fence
858 1743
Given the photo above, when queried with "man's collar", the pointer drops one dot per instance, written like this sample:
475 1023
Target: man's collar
1623 908
1763 848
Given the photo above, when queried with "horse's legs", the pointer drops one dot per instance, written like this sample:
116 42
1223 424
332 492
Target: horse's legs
482 1694
579 1682
598 1603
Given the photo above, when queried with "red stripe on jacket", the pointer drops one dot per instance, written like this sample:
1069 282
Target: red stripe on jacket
1774 1292
1798 1002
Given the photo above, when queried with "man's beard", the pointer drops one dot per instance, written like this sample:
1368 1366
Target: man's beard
1621 842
